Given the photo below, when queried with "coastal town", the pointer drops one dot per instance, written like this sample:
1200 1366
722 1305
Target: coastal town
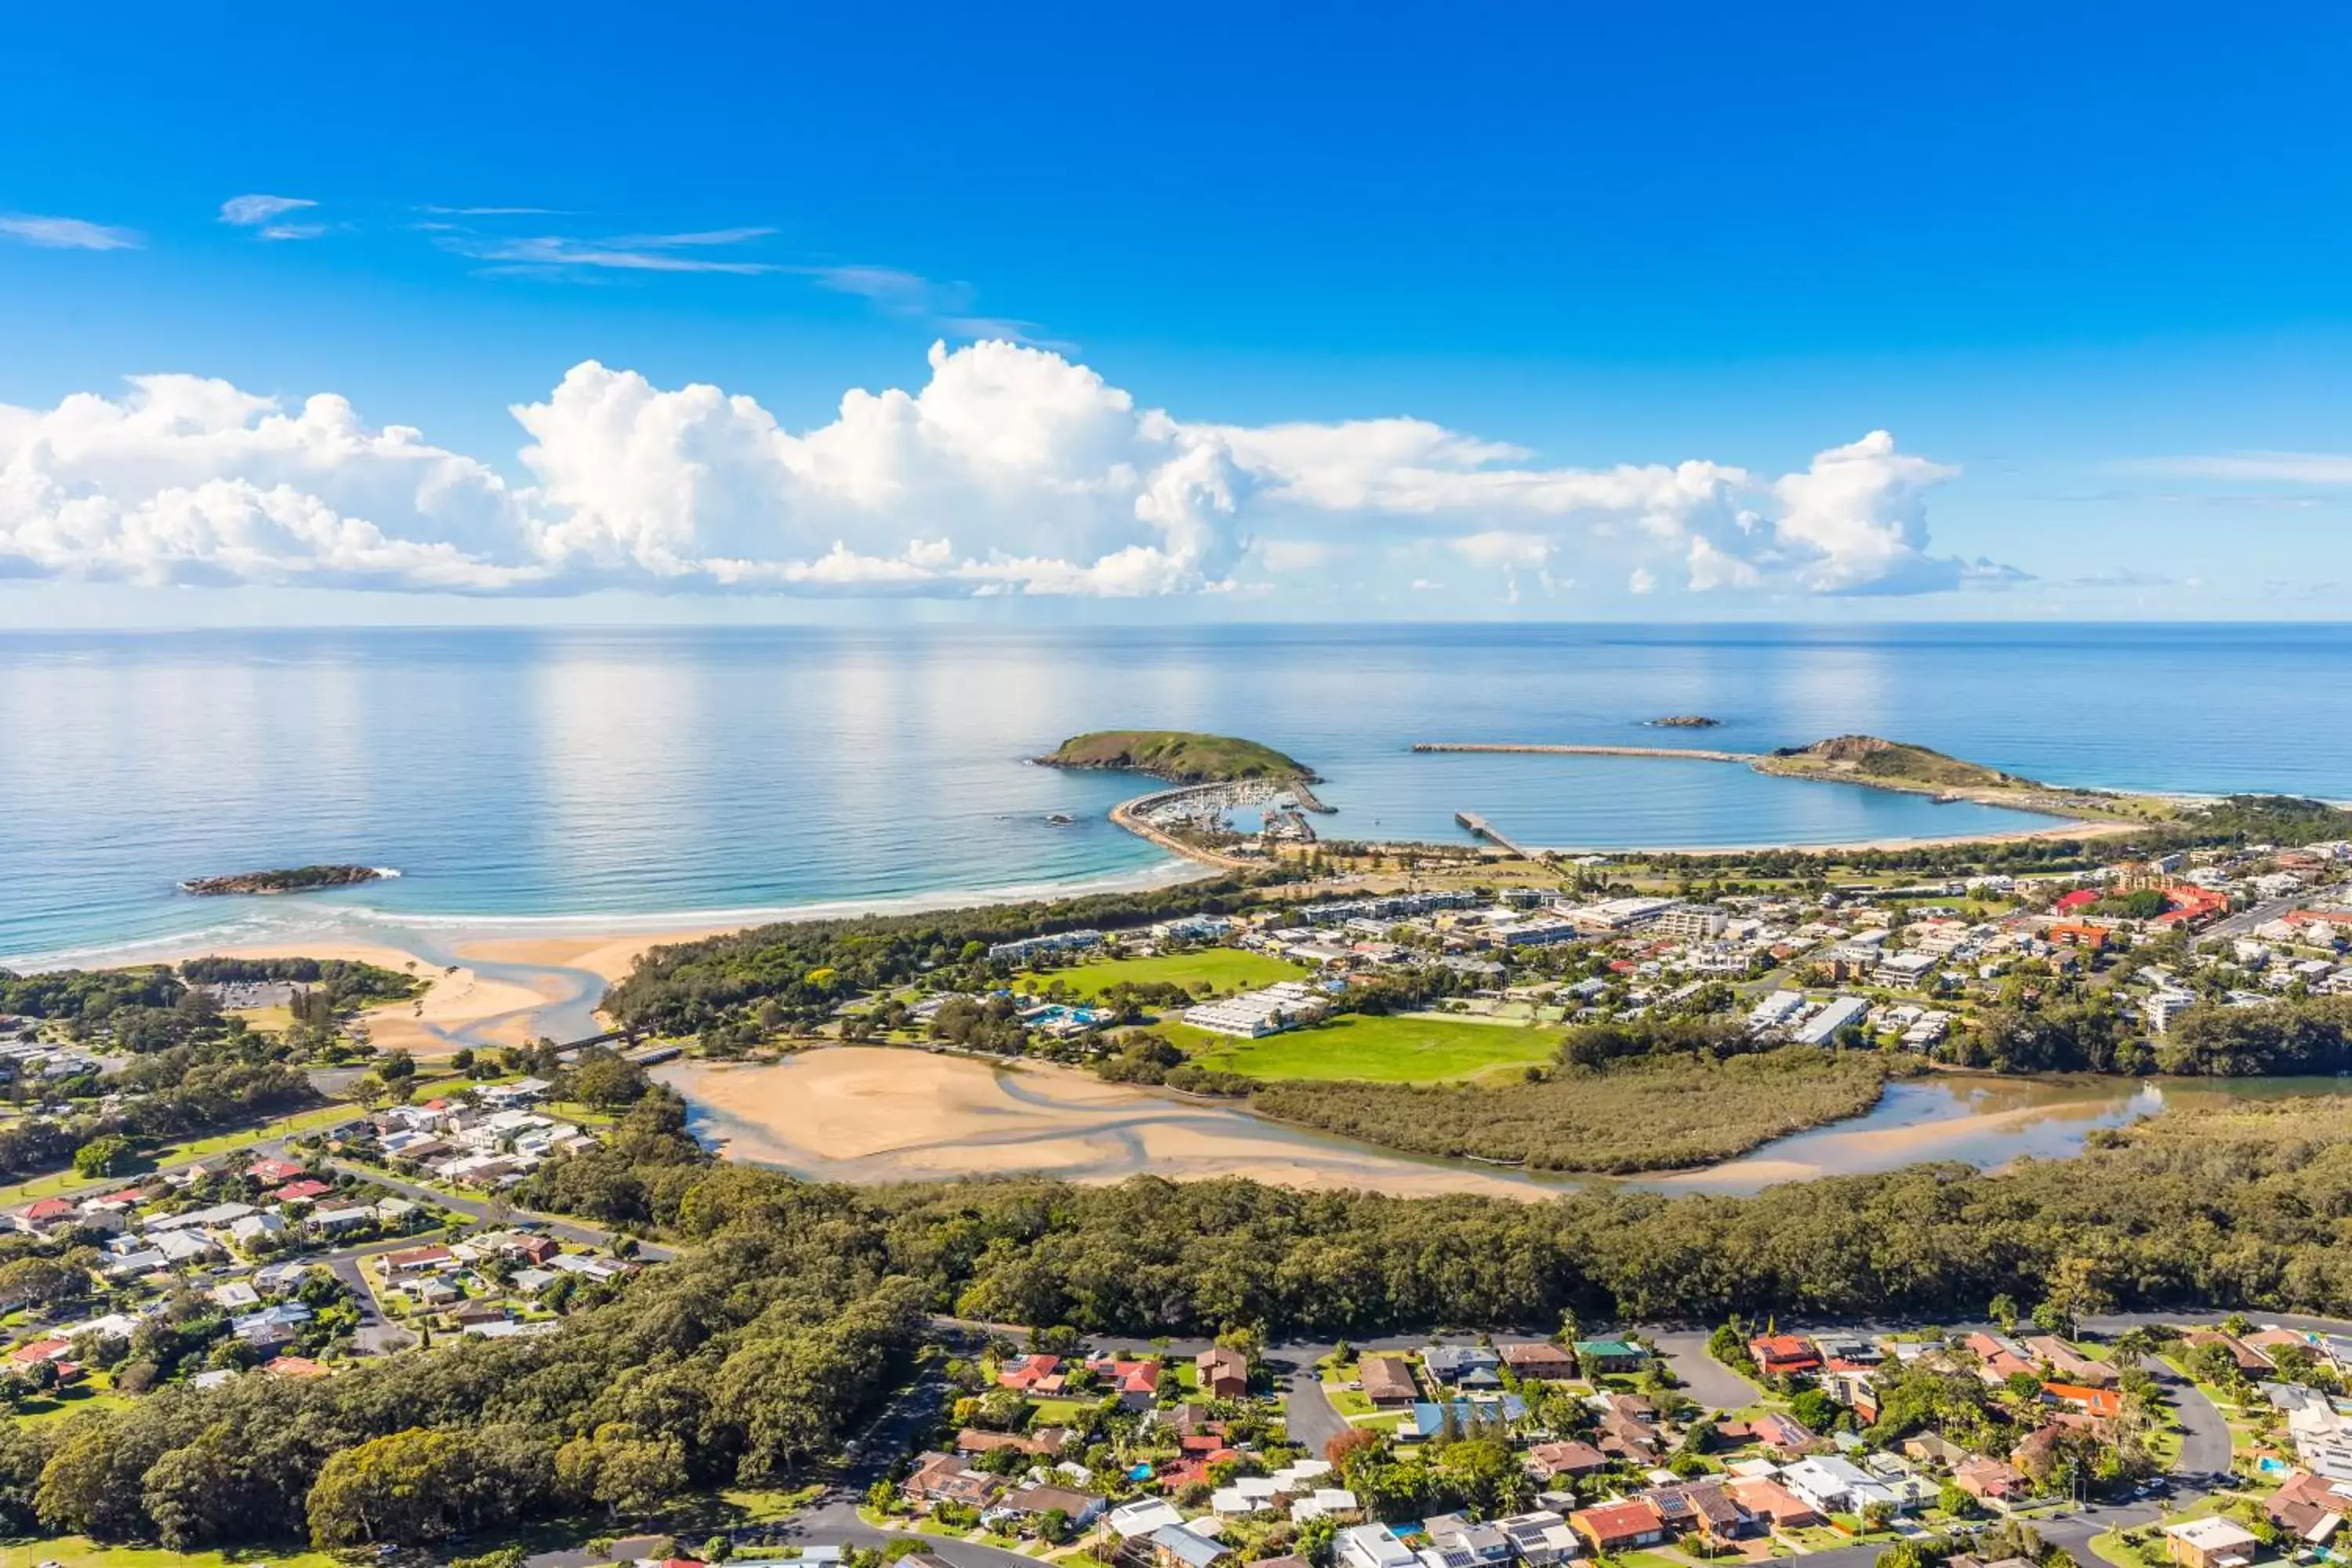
1880 963
1762 1443
227 1186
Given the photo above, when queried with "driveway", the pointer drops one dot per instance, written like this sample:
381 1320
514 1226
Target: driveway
1704 1378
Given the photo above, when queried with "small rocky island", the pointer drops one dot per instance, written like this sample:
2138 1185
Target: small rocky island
1179 756
1682 721
297 880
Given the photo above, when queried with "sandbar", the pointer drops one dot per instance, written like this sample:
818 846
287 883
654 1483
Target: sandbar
866 1114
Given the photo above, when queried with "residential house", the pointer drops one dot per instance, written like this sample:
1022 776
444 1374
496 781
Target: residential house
1835 1485
1990 1480
1388 1382
1038 1374
2068 1364
1324 1502
1768 1500
2105 1403
1034 1501
1462 1366
1136 1383
1619 1526
47 1215
943 1478
1703 1508
1462 1544
2251 1362
1929 1449
1541 1539
296 1366
1541 1362
416 1260
1784 1355
1178 1546
2323 1439
1549 1461
1224 1374
1045 1440
1854 1387
1784 1437
2214 1543
1132 1520
255 1227
272 1325
1594 1357
2000 1358
2310 1507
1631 1439
1371 1546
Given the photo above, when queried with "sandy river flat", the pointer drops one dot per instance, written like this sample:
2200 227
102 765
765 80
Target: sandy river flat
875 1114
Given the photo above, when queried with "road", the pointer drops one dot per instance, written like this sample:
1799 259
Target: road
2245 920
481 1209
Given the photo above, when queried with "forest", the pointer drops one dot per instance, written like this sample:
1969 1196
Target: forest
793 1307
154 1006
176 1091
797 971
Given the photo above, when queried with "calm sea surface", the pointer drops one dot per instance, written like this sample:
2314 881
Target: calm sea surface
516 775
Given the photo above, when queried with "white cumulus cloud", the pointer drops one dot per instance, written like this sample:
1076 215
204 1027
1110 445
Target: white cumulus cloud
1011 470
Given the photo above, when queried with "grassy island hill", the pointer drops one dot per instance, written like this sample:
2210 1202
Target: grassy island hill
1179 756
1867 757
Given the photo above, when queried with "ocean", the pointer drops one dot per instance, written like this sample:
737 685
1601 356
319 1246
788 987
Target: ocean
515 777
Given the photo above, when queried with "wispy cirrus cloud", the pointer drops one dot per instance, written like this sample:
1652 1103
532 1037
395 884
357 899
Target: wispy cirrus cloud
949 307
2286 468
263 214
555 255
67 232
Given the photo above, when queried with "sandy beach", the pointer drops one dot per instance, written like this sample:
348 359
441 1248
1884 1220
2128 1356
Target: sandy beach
860 1113
608 954
460 1005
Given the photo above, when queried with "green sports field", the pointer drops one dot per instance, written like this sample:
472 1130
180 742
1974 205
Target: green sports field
1225 969
1375 1049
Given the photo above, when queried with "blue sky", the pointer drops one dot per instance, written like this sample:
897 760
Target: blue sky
1532 311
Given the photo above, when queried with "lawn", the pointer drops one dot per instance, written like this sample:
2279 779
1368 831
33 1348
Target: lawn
1224 968
74 1551
1379 1050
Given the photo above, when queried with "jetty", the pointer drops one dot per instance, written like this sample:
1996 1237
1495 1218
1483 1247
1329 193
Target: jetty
1479 827
1681 753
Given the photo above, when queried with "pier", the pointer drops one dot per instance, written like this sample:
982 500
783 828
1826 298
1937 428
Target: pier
1479 827
1680 753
